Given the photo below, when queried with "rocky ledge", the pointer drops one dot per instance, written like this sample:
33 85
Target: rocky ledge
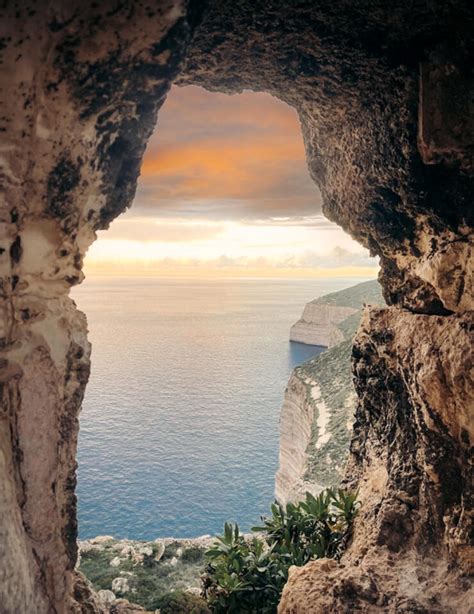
133 575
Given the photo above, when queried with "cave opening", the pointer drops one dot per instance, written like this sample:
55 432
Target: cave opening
384 95
190 296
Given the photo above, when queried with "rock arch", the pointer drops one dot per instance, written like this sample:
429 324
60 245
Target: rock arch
382 91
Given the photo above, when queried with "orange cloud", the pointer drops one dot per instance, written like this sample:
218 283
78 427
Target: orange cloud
254 109
225 191
217 168
214 147
220 155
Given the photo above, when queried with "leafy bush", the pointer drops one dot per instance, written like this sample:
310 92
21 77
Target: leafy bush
179 602
245 576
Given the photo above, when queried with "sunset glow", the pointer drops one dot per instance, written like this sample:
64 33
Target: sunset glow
225 191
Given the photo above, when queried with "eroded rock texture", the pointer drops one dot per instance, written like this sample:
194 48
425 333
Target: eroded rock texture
81 86
352 70
410 461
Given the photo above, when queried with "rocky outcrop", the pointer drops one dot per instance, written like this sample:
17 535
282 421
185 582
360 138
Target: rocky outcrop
411 432
82 87
317 325
83 83
140 574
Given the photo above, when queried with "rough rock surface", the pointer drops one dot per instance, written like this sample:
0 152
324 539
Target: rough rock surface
352 71
82 84
409 458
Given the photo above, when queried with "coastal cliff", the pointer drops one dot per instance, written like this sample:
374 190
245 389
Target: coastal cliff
319 403
319 322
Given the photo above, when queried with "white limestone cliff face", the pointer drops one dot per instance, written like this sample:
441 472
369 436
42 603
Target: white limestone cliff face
296 424
315 424
317 325
319 404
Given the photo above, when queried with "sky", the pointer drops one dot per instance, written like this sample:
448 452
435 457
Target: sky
225 191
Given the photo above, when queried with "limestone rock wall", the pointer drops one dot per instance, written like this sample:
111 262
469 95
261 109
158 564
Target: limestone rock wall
316 424
320 323
296 424
409 459
317 324
81 85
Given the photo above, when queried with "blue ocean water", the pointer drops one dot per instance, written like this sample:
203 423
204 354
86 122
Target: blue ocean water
179 427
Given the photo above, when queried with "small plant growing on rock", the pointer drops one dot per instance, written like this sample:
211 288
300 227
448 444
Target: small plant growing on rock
246 575
179 602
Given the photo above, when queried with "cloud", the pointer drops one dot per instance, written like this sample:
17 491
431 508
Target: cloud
336 258
316 222
225 190
226 157
147 230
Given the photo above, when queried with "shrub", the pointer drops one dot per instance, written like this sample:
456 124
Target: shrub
170 551
179 602
95 565
194 554
245 576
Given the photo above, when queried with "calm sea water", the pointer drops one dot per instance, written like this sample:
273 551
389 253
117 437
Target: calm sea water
179 427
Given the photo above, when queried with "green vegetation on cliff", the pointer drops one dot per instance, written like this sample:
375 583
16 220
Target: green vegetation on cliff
331 372
333 375
150 574
367 292
246 576
229 574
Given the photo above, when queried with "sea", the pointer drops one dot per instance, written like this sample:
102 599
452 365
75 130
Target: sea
179 425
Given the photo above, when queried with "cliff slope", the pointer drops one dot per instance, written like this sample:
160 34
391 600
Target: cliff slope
142 572
318 408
